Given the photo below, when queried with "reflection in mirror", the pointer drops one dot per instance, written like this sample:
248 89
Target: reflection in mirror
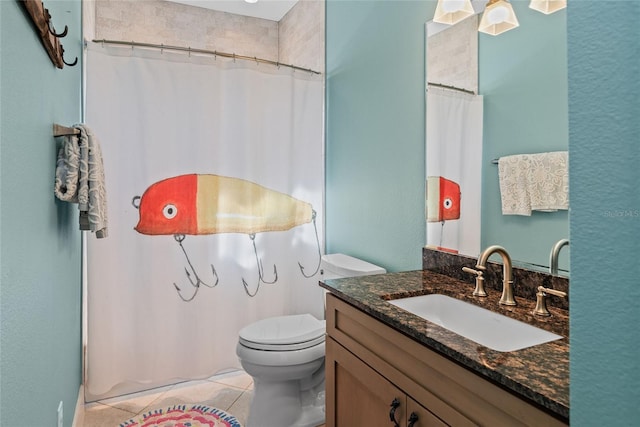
454 132
521 80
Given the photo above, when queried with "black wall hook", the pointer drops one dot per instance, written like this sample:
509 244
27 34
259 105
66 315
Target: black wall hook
44 28
62 34
62 56
52 30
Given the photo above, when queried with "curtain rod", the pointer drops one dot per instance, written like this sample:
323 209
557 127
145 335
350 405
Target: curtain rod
470 92
204 51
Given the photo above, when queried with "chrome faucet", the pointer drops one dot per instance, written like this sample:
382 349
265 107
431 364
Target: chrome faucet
553 257
507 279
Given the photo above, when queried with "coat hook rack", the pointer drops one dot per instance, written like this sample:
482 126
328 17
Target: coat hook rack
48 35
59 130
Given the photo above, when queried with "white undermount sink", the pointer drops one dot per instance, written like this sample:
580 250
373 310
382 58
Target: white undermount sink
492 330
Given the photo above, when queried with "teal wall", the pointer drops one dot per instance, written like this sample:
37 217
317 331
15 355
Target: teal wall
375 130
40 293
375 191
604 145
375 86
523 78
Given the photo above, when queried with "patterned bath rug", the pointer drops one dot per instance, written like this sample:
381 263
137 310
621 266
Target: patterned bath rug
184 416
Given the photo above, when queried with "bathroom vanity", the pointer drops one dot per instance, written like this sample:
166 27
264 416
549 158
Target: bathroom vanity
386 366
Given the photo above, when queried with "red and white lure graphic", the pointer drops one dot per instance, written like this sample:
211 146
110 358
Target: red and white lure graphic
443 199
443 203
196 204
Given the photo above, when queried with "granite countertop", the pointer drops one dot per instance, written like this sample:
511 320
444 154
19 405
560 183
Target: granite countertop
538 374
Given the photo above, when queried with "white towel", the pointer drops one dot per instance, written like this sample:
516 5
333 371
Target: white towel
549 181
514 189
80 179
534 182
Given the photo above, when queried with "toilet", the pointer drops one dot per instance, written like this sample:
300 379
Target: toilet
285 357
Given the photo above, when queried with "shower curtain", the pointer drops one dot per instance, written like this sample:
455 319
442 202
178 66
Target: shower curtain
219 131
454 170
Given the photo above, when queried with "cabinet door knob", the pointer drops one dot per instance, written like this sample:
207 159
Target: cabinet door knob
392 413
412 419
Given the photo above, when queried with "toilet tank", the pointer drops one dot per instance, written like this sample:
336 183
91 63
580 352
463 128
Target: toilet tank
336 266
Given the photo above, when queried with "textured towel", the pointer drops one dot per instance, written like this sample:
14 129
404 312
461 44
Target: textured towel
80 179
514 190
67 166
549 181
534 182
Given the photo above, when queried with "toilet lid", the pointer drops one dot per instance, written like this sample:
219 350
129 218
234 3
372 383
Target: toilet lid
292 332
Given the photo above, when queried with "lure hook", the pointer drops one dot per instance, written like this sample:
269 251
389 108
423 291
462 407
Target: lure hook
260 271
315 227
196 284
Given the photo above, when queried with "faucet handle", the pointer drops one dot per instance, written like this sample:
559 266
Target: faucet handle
552 292
541 302
479 290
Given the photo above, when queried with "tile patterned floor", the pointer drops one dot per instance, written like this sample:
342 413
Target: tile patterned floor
230 392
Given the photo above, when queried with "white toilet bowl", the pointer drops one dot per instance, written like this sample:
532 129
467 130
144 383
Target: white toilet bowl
285 357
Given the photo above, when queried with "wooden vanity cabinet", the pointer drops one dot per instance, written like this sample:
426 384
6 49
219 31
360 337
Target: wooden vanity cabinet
369 365
363 397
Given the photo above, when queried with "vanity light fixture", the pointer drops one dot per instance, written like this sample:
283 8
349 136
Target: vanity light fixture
548 6
497 18
452 11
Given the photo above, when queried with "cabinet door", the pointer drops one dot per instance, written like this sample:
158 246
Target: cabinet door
419 416
357 396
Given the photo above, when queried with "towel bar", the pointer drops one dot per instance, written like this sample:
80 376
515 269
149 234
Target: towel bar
63 130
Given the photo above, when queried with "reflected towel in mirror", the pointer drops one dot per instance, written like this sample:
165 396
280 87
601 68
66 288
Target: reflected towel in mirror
534 182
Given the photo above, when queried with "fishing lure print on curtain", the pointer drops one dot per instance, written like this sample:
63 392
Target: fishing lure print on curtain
213 140
211 204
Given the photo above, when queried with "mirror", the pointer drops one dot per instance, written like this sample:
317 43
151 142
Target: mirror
520 81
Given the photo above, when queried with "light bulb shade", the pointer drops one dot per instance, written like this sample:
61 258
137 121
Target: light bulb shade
497 18
452 11
548 6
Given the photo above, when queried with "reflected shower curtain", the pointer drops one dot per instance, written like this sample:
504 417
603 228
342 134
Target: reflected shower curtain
227 136
454 170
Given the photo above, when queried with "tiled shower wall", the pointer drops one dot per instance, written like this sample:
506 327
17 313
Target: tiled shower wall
452 56
297 39
302 35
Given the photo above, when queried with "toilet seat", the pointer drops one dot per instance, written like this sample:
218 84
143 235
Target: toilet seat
283 333
286 355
